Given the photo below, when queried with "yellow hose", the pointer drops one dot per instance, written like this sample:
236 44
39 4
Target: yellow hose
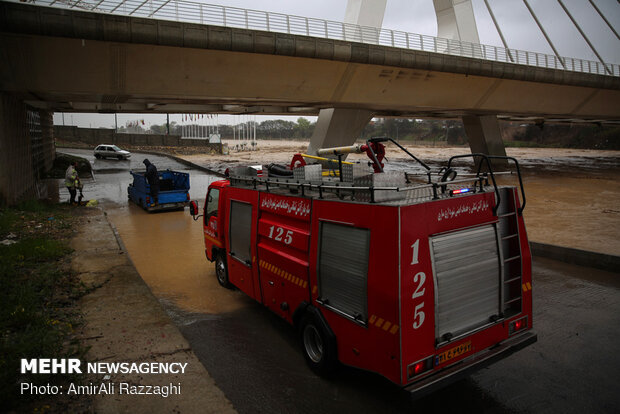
314 157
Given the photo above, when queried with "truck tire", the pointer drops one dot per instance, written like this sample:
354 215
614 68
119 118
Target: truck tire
221 270
318 346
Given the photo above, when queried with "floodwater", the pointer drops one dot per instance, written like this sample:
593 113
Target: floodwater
167 248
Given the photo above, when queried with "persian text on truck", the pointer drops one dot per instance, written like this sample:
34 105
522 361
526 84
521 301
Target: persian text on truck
422 283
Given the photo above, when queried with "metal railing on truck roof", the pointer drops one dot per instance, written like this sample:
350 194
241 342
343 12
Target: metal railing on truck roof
407 194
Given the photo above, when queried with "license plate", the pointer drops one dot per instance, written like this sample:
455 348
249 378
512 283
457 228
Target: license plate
453 353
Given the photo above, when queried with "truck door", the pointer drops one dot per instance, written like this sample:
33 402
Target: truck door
242 212
211 222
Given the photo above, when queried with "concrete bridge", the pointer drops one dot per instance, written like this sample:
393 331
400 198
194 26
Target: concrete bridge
60 59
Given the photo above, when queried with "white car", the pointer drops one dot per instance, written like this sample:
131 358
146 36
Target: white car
111 151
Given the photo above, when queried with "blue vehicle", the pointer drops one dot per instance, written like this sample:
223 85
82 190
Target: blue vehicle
173 191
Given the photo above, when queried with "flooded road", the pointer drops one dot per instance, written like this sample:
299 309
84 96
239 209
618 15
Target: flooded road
167 248
168 251
255 357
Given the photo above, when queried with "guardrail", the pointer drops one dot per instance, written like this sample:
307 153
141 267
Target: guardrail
192 12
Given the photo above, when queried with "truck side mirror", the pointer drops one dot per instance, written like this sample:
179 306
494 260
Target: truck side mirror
193 208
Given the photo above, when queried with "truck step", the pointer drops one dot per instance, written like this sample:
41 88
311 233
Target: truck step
510 259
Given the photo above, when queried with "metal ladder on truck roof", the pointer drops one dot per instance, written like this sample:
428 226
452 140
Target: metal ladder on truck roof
510 253
508 232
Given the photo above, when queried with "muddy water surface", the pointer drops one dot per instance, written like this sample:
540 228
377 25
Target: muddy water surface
167 248
577 212
168 251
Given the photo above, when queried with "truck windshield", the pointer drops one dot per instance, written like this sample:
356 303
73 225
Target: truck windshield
212 202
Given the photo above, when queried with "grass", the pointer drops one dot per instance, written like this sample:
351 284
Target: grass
37 295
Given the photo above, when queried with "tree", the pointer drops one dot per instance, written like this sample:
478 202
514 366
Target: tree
303 128
158 129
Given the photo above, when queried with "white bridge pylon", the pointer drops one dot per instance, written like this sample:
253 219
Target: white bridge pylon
456 21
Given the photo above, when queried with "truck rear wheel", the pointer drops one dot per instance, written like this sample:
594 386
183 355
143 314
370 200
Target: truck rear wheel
221 270
319 352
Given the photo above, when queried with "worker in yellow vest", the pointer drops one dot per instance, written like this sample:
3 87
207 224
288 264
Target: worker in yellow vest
71 180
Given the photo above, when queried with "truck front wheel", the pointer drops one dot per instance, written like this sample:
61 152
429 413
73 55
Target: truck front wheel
318 351
221 270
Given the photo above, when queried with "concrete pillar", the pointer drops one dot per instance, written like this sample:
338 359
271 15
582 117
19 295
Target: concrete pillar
338 127
484 136
17 177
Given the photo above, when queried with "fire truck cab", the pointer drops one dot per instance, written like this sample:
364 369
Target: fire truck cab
419 282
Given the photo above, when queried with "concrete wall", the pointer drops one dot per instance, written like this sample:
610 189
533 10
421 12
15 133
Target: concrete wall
26 150
96 136
47 139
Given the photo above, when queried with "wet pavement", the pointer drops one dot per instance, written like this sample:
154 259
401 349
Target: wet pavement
111 177
255 358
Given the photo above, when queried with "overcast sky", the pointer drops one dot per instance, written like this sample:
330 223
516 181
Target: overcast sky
418 16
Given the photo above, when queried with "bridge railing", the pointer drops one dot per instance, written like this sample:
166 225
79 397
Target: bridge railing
193 12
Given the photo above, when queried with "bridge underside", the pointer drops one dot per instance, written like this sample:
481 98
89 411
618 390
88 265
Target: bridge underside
68 60
79 75
62 74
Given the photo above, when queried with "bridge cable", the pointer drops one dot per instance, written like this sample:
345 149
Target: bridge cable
604 18
499 31
570 16
545 34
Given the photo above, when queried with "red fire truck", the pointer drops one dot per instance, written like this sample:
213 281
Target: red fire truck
421 281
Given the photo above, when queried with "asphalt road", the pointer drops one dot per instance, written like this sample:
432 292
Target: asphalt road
256 360
255 357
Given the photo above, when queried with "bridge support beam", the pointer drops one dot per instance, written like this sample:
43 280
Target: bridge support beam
484 136
337 127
